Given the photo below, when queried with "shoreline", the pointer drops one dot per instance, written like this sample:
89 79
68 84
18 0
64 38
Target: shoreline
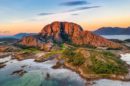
97 78
92 77
88 77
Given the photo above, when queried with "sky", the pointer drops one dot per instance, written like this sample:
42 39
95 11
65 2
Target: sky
31 16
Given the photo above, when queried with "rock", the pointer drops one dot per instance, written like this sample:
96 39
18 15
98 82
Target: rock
46 57
40 59
5 48
47 76
2 65
23 55
57 65
60 31
127 40
4 54
36 41
66 32
20 72
30 41
46 46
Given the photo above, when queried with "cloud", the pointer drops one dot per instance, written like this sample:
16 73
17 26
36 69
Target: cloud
70 10
82 8
74 3
44 14
4 32
75 14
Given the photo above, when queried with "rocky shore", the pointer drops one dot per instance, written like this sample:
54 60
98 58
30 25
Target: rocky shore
2 65
92 77
62 63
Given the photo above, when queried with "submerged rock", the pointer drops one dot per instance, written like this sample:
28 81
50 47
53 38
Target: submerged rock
47 76
2 65
20 72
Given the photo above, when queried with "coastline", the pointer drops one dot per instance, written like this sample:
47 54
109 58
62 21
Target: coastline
123 77
88 77
96 77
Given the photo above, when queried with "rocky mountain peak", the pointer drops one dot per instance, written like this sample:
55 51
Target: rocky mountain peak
61 31
66 27
67 32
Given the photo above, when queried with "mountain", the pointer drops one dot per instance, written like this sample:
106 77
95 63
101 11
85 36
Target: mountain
112 31
9 40
66 32
21 35
14 38
17 36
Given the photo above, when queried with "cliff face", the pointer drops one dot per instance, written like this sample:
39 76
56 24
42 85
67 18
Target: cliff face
61 31
66 32
36 41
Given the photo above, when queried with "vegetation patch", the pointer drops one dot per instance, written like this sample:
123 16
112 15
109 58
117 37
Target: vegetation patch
98 62
109 65
30 50
75 58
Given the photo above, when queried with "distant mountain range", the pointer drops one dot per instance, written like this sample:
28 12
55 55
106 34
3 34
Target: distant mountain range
17 36
21 35
112 31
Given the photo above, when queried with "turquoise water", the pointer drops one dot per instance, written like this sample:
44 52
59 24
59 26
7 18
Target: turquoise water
37 75
37 78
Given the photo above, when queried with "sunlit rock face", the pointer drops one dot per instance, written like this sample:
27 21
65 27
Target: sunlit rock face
61 31
36 41
66 32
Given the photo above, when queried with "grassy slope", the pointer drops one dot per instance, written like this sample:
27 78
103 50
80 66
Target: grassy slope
96 62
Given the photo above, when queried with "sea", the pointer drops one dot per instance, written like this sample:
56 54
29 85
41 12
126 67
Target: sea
120 37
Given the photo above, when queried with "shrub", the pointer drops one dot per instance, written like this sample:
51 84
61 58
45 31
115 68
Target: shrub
75 58
100 67
30 50
84 46
108 54
78 59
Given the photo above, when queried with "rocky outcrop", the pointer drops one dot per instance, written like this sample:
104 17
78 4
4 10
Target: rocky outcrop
2 65
8 48
61 31
36 41
23 55
66 32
